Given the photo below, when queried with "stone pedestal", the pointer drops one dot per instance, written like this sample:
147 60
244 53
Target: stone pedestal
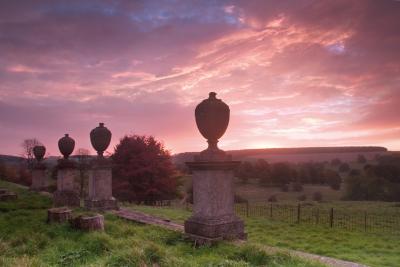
39 178
213 215
100 187
65 194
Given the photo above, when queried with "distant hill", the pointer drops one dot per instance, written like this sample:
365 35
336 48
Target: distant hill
297 154
7 159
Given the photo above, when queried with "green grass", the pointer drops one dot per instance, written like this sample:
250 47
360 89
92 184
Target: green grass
371 249
26 240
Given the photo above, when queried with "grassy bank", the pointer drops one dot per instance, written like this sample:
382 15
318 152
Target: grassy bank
26 240
371 249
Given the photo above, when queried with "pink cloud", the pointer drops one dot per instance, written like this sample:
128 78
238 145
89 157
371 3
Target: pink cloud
294 73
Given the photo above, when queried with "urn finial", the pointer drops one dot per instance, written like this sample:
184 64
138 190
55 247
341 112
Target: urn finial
100 137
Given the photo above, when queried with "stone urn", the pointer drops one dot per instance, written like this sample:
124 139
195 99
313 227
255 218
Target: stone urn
212 119
39 152
100 137
66 146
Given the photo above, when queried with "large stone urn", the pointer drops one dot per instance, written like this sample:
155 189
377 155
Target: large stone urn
100 137
39 177
213 215
100 178
67 172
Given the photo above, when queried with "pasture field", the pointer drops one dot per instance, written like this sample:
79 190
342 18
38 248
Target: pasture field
27 240
378 250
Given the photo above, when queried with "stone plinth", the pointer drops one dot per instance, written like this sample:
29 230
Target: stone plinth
213 215
39 178
65 194
58 215
100 187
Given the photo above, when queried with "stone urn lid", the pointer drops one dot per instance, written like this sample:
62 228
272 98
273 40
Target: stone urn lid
212 119
66 145
100 137
39 152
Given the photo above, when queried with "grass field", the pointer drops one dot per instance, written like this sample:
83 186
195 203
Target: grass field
371 249
26 240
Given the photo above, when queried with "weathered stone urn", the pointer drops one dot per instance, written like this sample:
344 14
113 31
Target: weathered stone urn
213 215
100 137
66 145
39 152
100 178
66 174
39 177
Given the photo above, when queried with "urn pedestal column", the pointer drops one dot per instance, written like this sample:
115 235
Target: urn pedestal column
213 215
100 187
66 194
66 173
100 178
39 177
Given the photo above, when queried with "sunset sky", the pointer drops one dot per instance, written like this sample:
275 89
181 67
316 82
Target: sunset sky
294 73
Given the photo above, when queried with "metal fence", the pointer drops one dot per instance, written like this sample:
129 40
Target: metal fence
330 217
369 221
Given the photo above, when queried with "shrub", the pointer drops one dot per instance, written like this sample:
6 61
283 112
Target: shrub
317 196
302 198
284 188
297 187
239 199
273 198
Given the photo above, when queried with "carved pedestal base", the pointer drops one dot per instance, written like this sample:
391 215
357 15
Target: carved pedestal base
58 215
66 198
89 223
101 205
215 229
8 196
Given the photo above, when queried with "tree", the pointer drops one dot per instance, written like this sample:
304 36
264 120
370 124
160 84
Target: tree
27 150
333 179
344 167
336 162
245 171
361 159
281 173
83 157
143 170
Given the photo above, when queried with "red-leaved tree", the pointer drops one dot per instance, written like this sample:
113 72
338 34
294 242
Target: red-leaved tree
143 171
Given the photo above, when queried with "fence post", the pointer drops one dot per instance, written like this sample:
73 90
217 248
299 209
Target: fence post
317 216
365 221
298 213
270 211
331 218
247 209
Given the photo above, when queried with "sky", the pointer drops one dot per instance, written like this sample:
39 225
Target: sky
294 73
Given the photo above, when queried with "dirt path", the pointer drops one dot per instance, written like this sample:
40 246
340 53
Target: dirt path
144 218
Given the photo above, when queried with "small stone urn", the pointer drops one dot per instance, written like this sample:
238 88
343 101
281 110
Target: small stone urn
39 177
213 215
100 137
100 179
39 152
66 173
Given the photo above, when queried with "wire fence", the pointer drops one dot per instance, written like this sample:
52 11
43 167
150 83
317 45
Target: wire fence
354 220
371 221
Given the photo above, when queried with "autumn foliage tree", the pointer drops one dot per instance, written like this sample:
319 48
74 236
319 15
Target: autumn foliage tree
143 170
